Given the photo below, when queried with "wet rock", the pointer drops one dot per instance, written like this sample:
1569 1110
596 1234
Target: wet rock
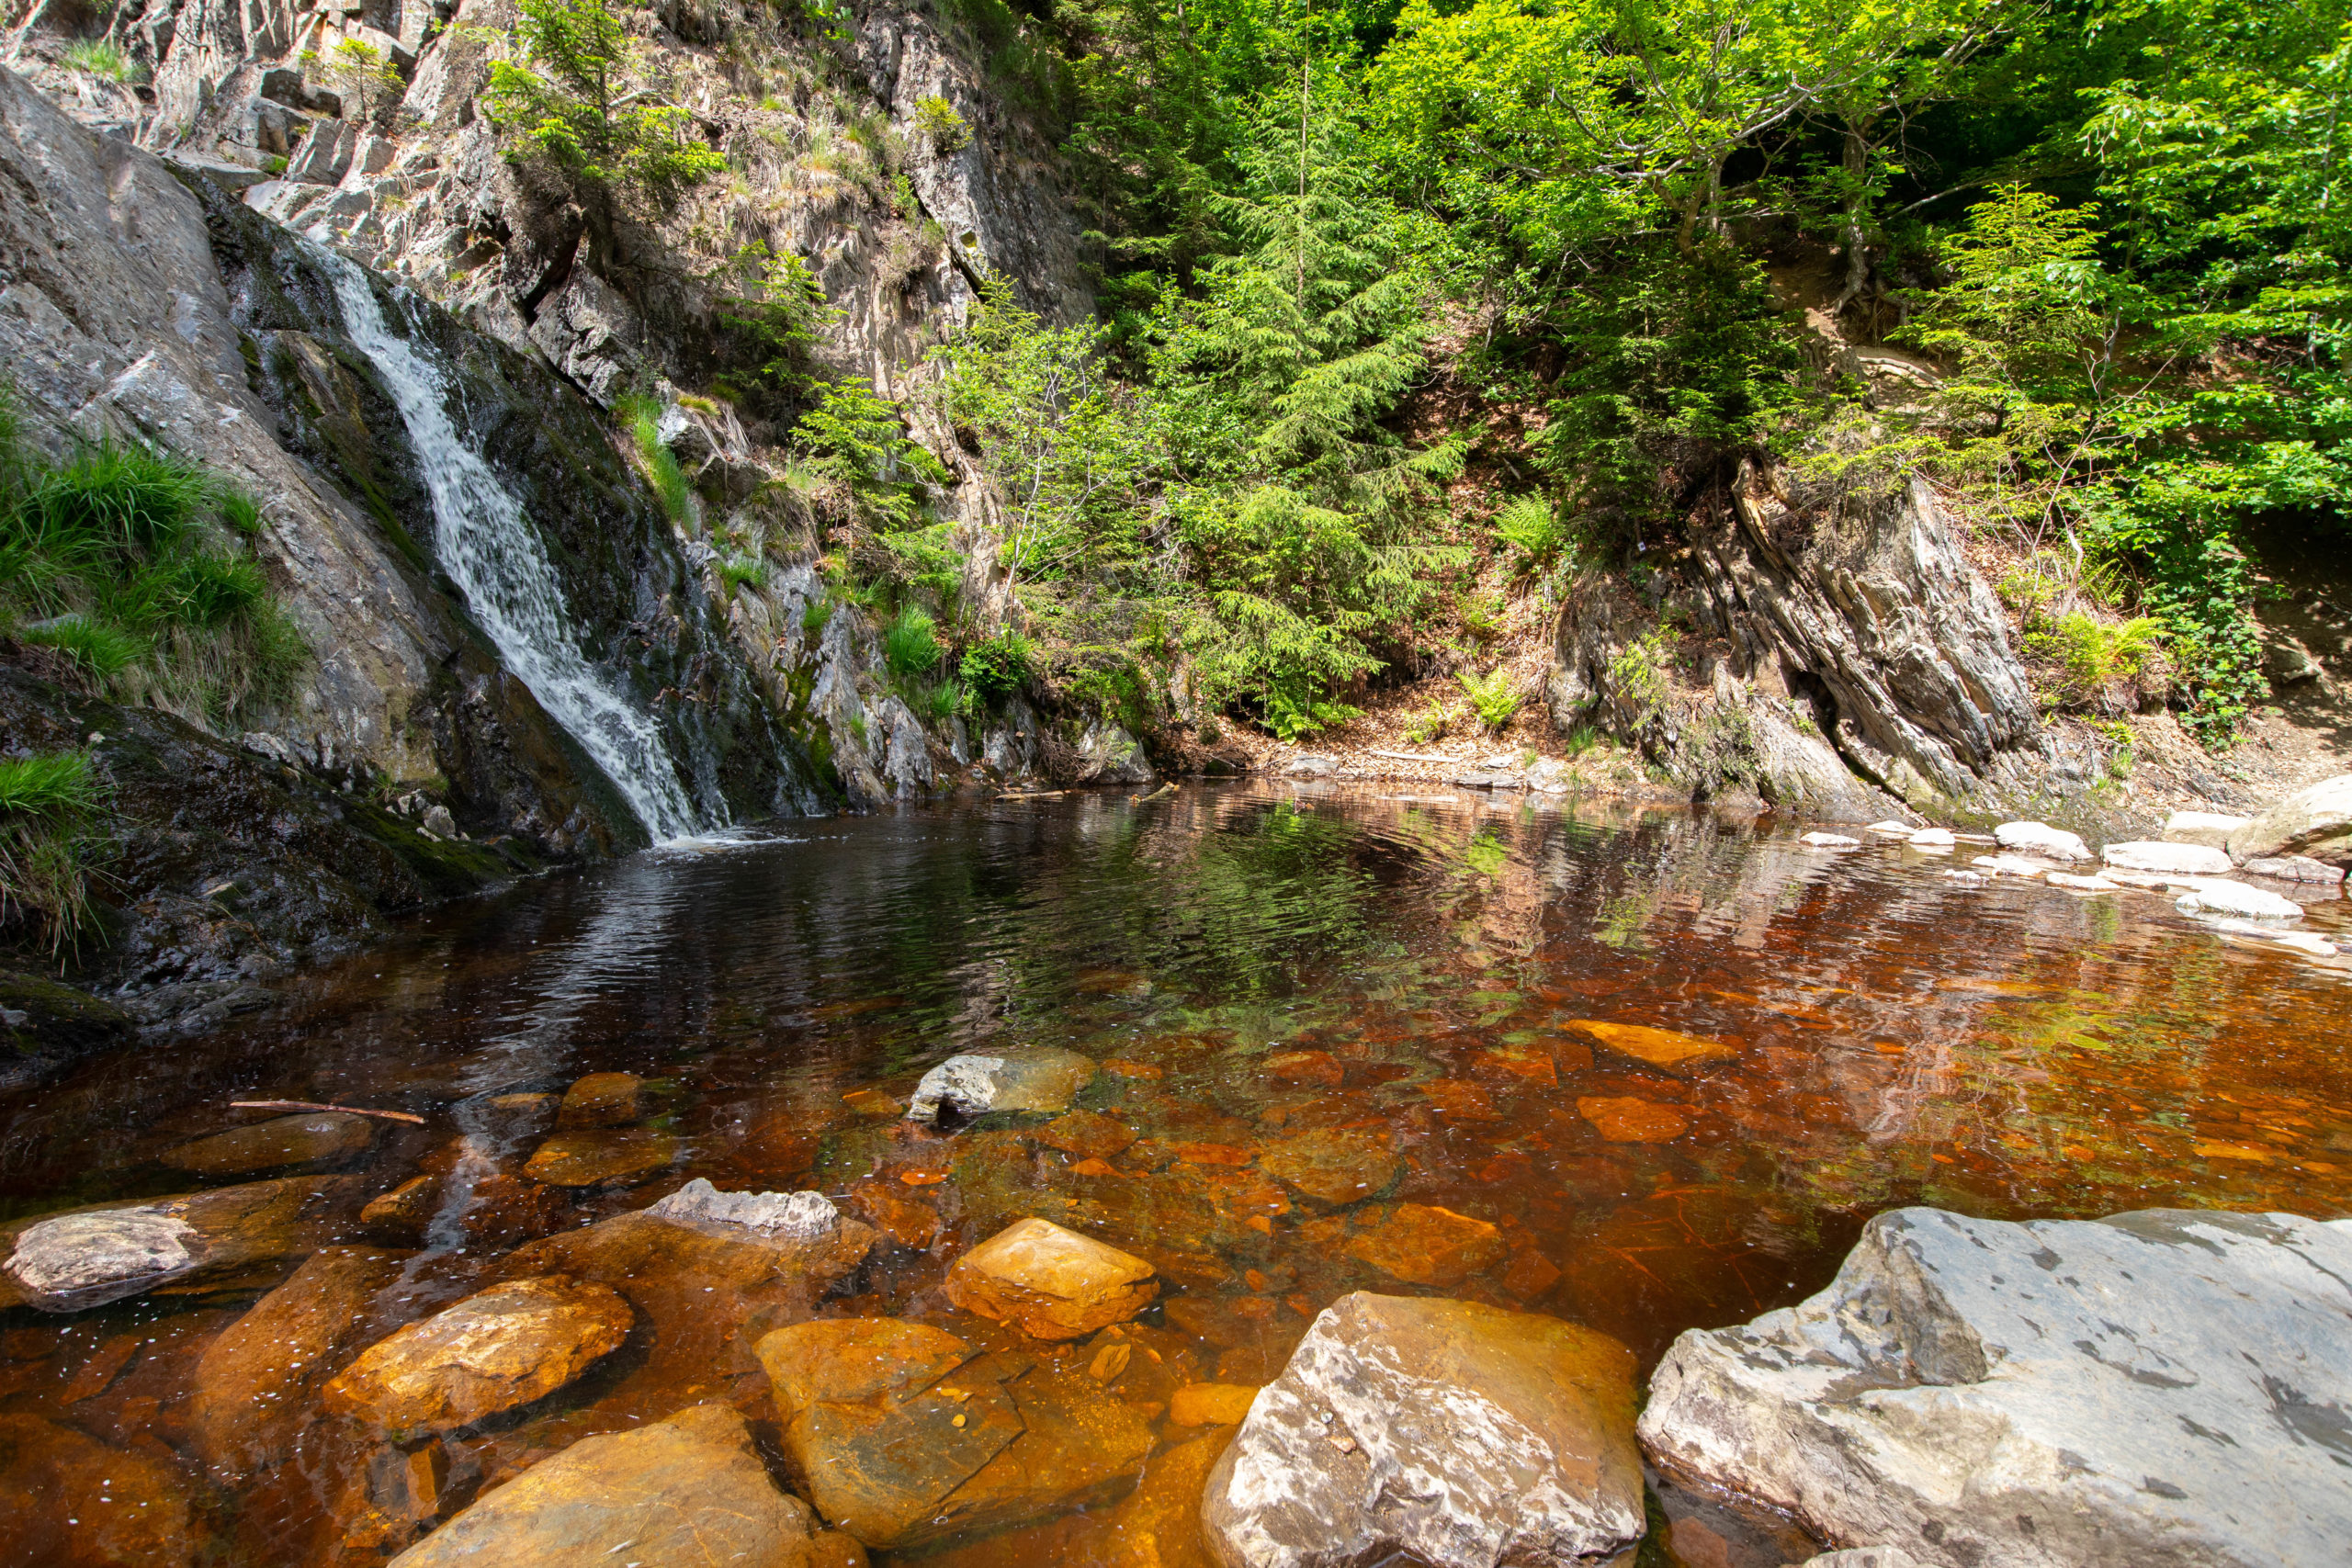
796 1216
705 1290
2040 838
1157 1526
1052 1283
1019 1079
2186 860
2295 868
1934 839
254 1385
1864 1557
687 1490
502 1209
1424 1245
1331 1166
216 1240
69 1501
1306 1066
520 1115
1819 840
1625 1119
508 1345
905 1220
903 1435
620 1156
315 1137
1660 1048
44 1026
405 1211
2204 895
872 1103
2013 865
600 1099
1089 1135
1462 1434
1211 1404
2211 829
2155 1390
2316 822
2074 884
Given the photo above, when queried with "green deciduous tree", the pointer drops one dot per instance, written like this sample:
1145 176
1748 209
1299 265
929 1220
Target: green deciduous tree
575 99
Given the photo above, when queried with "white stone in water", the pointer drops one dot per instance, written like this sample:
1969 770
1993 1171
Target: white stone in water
90 1259
1023 1078
1934 839
2212 895
2041 838
2010 865
2301 942
2163 1389
2212 828
1892 829
2295 868
2186 860
2074 884
1965 876
1830 841
803 1216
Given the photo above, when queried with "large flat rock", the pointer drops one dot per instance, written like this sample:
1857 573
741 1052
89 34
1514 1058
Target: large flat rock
226 1238
1464 1435
256 1385
2166 1389
497 1349
2314 822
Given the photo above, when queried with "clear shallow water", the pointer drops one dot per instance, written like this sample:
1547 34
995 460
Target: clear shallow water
2007 1050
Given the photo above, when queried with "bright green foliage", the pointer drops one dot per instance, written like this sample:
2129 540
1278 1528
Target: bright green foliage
574 99
101 57
994 670
911 646
858 438
359 73
1493 696
778 312
1530 525
48 804
939 123
662 470
2101 665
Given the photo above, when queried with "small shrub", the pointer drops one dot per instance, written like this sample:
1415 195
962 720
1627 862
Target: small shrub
815 616
938 122
1430 724
678 500
1492 696
1481 615
2107 666
1582 738
738 571
102 57
1639 670
994 670
910 646
1530 525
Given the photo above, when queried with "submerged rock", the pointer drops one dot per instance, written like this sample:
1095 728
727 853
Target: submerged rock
2316 822
2154 1390
1660 1048
1331 1166
2186 860
2040 838
1819 840
69 1501
314 1137
687 1490
45 1026
600 1099
1022 1077
1464 1435
1089 1135
1052 1283
905 1436
1424 1245
2212 895
255 1384
1627 1118
620 1156
508 1345
228 1236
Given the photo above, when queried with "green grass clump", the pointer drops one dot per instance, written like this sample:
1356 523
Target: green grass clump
101 57
662 471
48 804
99 650
910 645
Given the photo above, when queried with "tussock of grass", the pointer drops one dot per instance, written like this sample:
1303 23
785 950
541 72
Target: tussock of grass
48 804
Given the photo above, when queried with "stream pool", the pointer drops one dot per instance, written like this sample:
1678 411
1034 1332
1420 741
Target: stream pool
1250 965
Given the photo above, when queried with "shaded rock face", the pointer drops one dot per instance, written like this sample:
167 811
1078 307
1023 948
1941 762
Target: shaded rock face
1464 1435
2314 823
203 1241
506 1346
1865 657
1053 1283
45 1026
903 1435
689 1489
256 1384
2156 1388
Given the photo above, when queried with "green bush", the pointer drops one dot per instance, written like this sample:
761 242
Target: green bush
910 646
48 802
1493 696
102 57
576 99
2101 665
994 670
1531 526
946 131
102 651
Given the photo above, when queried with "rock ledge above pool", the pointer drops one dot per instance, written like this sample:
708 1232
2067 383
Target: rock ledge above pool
2163 1389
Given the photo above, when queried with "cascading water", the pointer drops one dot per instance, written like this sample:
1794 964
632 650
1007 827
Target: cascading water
487 544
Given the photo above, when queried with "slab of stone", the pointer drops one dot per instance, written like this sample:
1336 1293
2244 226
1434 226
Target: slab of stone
797 1216
2040 838
2204 895
256 1386
1660 1048
1628 1119
2013 865
1819 840
1333 1166
2300 941
689 1490
313 1138
1050 1282
1211 1404
1026 1077
220 1240
904 1434
1424 1245
2211 829
406 1210
2295 868
505 1347
1463 1434
1089 1135
1932 840
2074 884
600 1099
618 1156
1306 1066
2316 822
2184 860
2154 1390
69 1501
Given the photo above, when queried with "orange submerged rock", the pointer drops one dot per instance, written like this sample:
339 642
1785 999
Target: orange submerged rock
1052 1283
506 1346
1424 1245
1624 1119
1660 1048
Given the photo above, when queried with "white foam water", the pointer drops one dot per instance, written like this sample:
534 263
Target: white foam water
485 542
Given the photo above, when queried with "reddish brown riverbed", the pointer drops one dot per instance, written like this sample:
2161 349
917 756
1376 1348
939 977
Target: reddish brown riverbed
1247 967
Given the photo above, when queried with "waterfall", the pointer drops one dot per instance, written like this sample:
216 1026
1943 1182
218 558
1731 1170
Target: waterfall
489 547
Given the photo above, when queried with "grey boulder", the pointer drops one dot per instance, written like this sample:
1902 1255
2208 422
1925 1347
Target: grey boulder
2188 860
1464 1435
2316 822
2165 1389
1020 1078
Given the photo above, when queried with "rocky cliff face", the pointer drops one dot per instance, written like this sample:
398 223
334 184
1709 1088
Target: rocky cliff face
1828 651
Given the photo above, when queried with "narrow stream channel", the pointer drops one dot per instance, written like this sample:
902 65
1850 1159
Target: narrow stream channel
1247 967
